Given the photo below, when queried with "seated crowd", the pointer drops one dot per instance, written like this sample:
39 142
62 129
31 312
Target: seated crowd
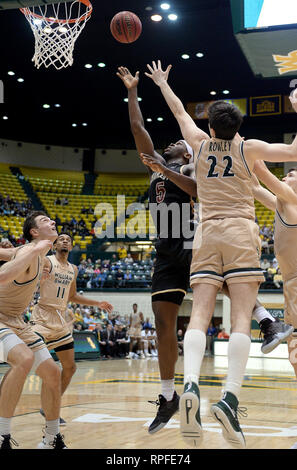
114 273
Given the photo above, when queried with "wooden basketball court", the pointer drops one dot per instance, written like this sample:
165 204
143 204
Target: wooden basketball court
106 406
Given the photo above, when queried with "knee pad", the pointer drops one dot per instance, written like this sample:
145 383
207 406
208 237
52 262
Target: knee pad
7 343
40 356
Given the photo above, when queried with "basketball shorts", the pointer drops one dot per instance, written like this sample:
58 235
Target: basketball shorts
171 277
226 250
134 332
10 325
290 302
52 326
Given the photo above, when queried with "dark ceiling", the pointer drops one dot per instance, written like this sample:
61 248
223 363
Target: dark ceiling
95 96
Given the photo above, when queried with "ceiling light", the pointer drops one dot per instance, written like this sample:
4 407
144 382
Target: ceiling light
199 54
21 80
148 8
149 119
5 118
11 73
74 124
213 92
172 17
126 100
84 124
156 17
57 105
160 119
226 92
101 64
165 6
185 56
88 66
46 106
139 99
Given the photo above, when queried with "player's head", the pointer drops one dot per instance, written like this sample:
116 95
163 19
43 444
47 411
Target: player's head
63 243
39 226
224 120
180 150
291 179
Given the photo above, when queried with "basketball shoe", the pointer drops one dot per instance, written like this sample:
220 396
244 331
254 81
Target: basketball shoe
165 412
225 412
274 333
52 442
6 440
190 422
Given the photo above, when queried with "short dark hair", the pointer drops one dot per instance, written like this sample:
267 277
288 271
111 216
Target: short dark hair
225 119
64 233
292 169
30 223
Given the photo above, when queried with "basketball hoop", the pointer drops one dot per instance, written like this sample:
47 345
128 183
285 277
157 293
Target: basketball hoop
56 27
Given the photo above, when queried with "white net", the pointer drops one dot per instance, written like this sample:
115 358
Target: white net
56 27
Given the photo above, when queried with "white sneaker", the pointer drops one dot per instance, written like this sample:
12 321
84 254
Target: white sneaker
52 442
147 354
142 356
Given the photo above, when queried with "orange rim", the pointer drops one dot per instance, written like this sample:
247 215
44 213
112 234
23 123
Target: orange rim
87 3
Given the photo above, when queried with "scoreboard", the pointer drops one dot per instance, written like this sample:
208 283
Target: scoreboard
266 31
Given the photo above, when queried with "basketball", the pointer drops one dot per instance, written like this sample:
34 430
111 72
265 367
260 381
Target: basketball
125 27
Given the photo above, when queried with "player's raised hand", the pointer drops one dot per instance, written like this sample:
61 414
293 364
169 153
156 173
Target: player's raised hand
293 99
105 306
158 75
6 244
152 163
127 78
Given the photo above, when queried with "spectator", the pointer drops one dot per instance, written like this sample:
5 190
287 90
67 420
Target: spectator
278 280
129 259
87 319
107 342
211 333
121 341
222 334
264 243
265 264
122 252
127 277
180 342
147 324
119 278
146 339
271 271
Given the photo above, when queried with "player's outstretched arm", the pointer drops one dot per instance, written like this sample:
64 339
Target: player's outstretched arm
6 253
263 195
191 133
280 189
142 138
16 268
81 299
259 150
